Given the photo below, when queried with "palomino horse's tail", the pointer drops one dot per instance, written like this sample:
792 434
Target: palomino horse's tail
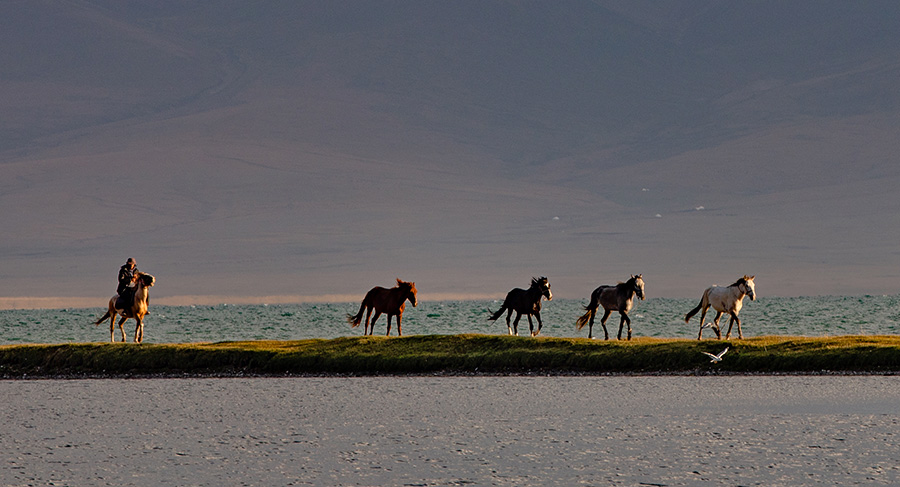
704 301
104 318
591 309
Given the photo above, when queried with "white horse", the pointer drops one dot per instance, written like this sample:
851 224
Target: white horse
724 299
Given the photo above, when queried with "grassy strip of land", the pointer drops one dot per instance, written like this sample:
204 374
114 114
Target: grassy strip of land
454 354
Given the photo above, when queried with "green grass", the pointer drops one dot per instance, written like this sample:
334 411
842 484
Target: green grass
455 354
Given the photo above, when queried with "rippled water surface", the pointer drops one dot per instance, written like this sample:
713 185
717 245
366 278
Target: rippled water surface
658 317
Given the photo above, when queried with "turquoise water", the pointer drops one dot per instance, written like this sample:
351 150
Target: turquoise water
657 317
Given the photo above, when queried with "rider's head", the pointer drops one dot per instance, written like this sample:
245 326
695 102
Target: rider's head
130 262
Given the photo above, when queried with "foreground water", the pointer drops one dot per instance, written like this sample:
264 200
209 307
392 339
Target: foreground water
675 431
659 317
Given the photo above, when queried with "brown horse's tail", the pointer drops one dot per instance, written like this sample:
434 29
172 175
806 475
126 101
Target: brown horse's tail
101 320
703 301
355 320
591 309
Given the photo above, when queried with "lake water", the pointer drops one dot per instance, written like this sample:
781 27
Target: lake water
657 317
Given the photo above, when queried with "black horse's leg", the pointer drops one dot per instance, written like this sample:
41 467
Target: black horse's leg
509 312
606 313
537 314
591 323
530 326
516 323
627 322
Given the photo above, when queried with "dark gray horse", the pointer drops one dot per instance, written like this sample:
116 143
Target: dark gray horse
613 298
527 302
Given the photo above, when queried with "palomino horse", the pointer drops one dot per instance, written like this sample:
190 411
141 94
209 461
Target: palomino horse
724 299
525 302
137 310
390 301
613 298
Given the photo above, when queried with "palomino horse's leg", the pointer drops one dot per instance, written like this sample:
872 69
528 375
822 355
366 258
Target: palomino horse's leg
537 314
122 328
606 313
138 330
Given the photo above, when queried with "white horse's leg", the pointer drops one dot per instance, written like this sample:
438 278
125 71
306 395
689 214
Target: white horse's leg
702 320
717 327
734 318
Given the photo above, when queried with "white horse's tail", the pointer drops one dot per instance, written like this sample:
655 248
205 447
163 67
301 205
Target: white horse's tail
704 302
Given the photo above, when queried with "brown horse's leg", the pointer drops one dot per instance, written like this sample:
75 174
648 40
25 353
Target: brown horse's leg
389 316
606 313
399 331
112 327
374 319
366 326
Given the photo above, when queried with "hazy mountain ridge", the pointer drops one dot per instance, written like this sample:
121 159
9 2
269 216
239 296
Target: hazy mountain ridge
315 148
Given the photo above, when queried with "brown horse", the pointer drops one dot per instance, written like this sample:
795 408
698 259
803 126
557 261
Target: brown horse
390 301
527 302
619 298
137 310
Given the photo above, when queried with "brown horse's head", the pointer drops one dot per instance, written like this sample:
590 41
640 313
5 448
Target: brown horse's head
410 289
542 284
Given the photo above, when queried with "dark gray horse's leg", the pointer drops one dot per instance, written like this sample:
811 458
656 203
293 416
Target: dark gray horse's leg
606 313
625 319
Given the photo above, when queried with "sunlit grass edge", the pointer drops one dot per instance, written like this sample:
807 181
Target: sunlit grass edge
456 354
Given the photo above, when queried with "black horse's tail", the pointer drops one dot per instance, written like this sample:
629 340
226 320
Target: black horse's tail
591 309
496 315
703 301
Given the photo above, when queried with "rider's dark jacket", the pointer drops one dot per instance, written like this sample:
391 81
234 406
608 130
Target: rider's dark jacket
126 275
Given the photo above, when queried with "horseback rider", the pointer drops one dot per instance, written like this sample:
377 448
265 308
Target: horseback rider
126 286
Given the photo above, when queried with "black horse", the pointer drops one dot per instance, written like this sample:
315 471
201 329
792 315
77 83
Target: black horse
619 298
527 302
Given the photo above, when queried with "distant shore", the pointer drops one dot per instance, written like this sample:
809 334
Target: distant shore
455 355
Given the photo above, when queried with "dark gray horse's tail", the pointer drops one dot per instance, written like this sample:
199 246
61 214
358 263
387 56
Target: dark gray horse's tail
591 309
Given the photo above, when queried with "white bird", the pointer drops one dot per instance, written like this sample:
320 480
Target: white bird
715 358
